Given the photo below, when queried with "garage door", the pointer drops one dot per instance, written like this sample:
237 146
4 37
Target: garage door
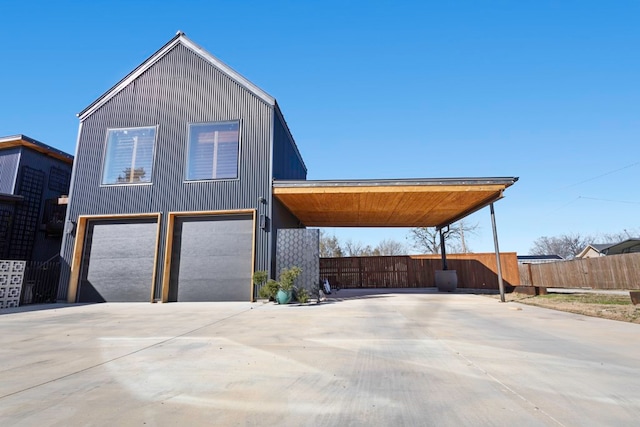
118 261
212 258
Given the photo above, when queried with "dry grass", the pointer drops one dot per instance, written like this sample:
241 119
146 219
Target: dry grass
606 306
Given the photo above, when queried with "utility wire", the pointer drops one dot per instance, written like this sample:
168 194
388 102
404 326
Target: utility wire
609 200
600 176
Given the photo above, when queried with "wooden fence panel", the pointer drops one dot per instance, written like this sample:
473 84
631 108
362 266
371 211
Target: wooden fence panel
607 272
475 271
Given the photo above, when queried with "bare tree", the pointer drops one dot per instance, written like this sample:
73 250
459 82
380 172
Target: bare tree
353 248
427 239
391 247
570 245
330 246
566 245
619 236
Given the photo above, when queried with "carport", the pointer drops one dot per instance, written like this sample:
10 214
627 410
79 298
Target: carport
433 202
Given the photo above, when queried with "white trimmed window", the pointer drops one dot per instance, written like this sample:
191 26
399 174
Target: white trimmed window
129 156
213 151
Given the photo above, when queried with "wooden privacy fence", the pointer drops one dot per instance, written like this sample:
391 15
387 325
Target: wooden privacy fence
607 272
475 271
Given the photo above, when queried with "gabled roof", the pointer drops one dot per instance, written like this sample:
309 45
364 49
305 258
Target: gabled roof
25 141
180 38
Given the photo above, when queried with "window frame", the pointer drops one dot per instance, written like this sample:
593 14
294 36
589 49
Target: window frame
106 153
187 151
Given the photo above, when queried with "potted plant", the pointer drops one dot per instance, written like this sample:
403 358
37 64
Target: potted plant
287 277
280 291
267 288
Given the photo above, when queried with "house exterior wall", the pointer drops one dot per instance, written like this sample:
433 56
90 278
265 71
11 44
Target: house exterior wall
36 177
281 219
6 216
180 88
590 253
57 175
287 162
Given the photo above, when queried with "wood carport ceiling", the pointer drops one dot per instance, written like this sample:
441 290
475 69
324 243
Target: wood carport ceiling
388 203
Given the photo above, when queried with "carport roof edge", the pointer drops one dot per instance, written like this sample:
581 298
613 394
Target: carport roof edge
420 202
506 181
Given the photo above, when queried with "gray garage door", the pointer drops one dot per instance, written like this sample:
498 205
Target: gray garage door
212 258
118 261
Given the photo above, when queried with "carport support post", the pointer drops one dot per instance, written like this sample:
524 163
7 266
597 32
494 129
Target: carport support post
443 251
495 242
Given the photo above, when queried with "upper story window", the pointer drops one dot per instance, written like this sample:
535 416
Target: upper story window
213 151
129 155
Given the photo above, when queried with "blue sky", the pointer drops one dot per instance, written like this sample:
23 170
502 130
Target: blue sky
547 91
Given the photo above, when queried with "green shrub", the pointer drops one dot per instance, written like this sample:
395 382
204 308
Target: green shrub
288 276
269 290
302 295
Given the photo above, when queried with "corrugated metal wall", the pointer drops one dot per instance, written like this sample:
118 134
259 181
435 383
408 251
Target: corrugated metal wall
179 89
282 218
9 159
287 162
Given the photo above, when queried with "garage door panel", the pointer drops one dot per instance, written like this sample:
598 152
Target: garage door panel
119 261
212 258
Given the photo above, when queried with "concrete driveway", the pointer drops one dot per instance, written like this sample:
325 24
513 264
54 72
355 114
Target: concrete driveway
395 359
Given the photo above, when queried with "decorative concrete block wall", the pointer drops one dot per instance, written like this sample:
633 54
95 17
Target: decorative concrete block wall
299 247
11 276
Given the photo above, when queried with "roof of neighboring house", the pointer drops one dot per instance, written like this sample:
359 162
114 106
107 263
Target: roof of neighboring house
25 141
601 246
620 247
611 248
179 38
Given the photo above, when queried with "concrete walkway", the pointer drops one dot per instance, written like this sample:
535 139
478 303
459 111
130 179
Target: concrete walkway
418 358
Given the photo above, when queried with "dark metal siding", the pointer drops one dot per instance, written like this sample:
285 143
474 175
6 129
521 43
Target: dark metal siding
9 159
287 162
282 218
45 247
6 217
179 89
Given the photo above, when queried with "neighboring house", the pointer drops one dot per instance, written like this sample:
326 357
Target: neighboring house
33 177
172 184
538 259
597 250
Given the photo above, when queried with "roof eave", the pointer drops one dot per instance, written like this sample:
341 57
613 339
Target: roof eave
506 181
25 141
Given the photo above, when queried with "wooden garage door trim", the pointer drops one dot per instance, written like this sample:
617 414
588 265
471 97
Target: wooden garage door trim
78 248
166 274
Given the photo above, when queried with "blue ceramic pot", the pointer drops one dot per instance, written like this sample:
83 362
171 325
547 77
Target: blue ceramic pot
283 297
